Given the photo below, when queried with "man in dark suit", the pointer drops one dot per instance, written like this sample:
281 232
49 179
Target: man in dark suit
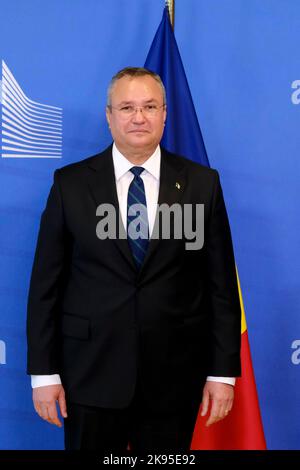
128 335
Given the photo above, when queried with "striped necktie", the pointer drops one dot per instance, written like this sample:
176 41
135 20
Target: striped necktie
137 217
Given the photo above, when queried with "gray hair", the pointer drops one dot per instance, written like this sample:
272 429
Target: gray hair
133 72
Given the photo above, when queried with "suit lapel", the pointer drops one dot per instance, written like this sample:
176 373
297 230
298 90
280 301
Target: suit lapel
171 189
101 182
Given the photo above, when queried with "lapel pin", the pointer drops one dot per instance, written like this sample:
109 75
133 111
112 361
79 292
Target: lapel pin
177 185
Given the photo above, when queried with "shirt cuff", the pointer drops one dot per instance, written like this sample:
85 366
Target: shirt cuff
43 380
224 380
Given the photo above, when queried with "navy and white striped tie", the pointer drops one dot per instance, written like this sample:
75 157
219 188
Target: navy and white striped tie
137 217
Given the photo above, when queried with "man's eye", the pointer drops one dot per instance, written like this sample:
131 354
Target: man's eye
127 109
150 107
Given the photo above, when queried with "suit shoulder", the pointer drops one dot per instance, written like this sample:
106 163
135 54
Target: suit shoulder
71 168
191 166
79 167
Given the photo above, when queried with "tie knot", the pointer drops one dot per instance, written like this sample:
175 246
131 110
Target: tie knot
137 170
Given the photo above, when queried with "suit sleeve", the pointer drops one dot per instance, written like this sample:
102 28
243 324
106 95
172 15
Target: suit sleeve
46 283
223 290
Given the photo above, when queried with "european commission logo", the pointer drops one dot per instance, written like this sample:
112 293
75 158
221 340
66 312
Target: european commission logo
29 129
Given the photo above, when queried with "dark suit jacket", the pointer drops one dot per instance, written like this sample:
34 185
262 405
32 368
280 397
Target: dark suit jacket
98 322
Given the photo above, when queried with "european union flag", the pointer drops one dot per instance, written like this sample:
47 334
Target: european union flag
182 132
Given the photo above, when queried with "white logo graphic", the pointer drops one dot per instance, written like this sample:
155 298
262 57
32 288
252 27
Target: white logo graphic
295 97
295 358
2 352
29 129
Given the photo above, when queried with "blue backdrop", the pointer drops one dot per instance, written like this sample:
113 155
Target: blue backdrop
243 68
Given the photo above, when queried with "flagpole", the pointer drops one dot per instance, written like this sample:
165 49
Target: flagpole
171 7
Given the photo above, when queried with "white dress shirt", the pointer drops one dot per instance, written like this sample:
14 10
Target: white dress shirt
124 176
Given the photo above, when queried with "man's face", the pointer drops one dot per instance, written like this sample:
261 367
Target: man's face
139 132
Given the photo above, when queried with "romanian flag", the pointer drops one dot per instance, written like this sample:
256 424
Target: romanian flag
242 429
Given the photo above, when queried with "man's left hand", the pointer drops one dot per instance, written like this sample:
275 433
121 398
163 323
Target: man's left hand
221 397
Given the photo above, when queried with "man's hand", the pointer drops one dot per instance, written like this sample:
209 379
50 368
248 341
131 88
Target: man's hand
221 397
44 400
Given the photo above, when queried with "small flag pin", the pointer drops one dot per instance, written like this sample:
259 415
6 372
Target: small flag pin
178 185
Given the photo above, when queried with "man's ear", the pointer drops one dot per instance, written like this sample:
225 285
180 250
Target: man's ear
107 112
165 114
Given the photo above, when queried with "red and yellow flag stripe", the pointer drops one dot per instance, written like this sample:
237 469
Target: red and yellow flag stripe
242 429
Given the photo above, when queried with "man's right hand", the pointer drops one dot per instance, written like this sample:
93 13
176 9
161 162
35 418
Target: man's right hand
44 400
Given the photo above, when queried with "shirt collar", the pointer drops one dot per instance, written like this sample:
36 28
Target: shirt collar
122 165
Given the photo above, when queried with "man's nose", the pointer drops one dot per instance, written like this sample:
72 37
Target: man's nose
138 115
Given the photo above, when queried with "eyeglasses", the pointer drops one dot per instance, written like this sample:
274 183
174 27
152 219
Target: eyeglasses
148 110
